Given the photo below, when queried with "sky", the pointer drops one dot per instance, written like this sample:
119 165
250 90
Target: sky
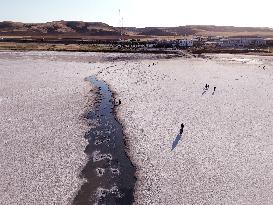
142 13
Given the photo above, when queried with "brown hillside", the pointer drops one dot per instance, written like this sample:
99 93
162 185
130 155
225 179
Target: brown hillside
80 28
57 27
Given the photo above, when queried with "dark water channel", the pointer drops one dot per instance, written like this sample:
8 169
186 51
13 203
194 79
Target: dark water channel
109 174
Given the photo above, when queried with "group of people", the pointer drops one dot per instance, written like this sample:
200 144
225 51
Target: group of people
150 65
207 87
263 67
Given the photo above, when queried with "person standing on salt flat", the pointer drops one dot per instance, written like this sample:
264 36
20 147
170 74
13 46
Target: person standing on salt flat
181 129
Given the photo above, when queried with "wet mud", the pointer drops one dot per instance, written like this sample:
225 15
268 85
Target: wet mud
109 173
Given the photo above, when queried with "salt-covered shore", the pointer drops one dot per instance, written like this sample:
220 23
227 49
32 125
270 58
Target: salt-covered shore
43 96
42 130
225 154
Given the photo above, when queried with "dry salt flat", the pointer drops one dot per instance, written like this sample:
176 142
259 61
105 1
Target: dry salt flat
43 96
42 99
225 154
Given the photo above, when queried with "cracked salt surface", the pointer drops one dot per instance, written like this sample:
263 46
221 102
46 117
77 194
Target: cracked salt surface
225 156
41 129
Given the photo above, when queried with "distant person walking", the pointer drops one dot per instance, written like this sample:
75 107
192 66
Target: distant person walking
214 89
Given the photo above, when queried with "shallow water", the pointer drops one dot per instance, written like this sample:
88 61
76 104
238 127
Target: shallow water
109 173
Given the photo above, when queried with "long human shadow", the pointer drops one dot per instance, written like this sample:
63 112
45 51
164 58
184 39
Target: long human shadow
175 142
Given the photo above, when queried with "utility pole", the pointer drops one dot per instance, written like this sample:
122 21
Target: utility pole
120 25
119 22
122 28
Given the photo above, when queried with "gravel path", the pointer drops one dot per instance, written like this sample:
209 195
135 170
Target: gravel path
225 155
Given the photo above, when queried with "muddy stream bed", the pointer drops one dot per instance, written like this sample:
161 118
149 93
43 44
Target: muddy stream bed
109 173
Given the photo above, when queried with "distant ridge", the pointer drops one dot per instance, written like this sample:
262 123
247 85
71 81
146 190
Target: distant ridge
80 28
57 27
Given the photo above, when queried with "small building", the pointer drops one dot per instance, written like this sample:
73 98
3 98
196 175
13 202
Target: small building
185 43
269 42
198 42
241 41
211 44
150 45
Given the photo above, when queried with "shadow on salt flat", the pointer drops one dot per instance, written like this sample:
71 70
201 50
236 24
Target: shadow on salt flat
176 141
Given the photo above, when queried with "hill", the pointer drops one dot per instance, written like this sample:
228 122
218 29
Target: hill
80 28
204 31
56 28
